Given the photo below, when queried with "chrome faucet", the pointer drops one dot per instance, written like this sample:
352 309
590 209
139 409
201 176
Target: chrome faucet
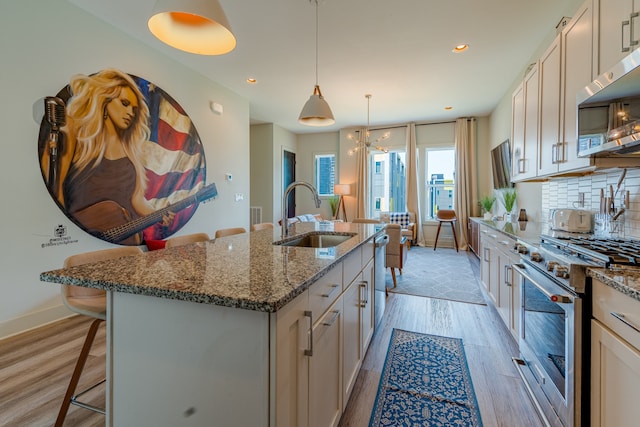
285 203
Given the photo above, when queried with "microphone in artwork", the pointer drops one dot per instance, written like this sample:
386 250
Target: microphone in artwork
56 117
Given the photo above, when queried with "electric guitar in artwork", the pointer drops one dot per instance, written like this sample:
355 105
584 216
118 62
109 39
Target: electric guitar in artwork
99 219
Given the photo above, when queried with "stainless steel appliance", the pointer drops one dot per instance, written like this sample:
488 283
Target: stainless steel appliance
380 250
609 110
571 220
555 306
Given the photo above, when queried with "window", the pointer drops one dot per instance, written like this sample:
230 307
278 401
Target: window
439 180
388 182
325 171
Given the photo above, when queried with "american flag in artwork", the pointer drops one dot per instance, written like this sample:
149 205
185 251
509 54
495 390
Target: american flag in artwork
174 158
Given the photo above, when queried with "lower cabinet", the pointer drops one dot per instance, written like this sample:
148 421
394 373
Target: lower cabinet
325 369
499 279
615 358
321 339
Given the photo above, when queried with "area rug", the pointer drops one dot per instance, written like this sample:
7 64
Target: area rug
425 382
443 274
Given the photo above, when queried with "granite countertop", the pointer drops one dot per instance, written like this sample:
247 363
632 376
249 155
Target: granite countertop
625 281
244 271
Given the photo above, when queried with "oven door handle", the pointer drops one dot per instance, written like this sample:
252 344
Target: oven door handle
554 297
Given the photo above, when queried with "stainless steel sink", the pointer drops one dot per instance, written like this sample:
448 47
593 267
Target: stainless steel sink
316 240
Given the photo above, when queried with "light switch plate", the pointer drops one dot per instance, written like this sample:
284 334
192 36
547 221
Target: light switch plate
239 197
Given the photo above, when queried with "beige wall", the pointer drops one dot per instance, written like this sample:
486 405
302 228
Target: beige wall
42 47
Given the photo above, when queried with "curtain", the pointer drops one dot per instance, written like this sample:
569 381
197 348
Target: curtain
362 175
413 195
465 191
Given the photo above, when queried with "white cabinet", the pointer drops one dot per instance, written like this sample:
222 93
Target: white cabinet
359 323
615 358
325 369
618 29
577 72
293 346
566 67
549 103
525 127
497 276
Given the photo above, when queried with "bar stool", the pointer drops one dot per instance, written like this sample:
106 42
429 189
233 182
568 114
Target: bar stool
92 303
262 226
172 242
230 231
446 215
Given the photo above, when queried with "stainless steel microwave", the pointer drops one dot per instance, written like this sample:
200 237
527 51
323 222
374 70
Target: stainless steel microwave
609 111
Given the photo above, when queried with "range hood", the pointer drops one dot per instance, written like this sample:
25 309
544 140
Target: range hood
609 111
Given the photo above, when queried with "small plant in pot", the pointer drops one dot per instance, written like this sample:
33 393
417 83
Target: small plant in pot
486 203
508 198
333 203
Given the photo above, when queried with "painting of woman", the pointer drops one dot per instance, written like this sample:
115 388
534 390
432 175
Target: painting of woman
106 158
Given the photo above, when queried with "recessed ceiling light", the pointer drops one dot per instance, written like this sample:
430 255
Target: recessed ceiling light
252 81
460 48
448 108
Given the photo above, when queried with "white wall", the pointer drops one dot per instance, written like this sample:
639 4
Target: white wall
262 171
44 43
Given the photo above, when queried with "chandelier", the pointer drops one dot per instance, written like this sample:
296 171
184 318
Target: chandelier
363 142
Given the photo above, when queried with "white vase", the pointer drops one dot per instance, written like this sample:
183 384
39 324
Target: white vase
488 216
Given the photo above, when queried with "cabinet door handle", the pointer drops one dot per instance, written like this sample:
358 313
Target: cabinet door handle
364 300
507 274
632 29
554 154
485 254
623 319
309 350
333 289
561 158
521 163
624 48
331 321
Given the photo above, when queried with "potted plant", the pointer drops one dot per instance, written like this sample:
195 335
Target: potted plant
333 203
486 203
508 198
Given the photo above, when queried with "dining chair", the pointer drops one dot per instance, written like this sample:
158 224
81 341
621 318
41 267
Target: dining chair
446 215
92 303
172 242
261 226
230 231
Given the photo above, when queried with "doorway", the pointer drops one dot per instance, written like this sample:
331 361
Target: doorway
289 176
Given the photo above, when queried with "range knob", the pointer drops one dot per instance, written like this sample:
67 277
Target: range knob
550 265
522 249
561 271
535 257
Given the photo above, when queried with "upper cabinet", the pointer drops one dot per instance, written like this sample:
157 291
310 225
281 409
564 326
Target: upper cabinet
617 23
525 127
544 114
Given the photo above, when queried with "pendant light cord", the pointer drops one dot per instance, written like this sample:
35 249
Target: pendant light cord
316 1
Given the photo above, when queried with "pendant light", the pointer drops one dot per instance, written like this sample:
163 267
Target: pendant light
316 112
194 26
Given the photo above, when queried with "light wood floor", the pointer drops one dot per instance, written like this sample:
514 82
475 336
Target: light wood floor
35 367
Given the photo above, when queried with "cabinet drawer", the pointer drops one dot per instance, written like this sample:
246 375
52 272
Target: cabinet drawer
618 312
325 291
352 266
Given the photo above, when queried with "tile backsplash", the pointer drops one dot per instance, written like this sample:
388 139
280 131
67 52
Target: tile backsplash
565 193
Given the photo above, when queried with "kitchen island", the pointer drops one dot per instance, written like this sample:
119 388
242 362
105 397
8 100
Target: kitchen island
235 331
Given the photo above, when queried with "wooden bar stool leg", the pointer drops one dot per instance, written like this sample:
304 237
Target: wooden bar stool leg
393 276
453 230
75 378
435 245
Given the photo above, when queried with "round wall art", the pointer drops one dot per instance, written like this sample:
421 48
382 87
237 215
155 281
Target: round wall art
121 158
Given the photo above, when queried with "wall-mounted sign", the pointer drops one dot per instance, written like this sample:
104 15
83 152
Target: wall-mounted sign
121 158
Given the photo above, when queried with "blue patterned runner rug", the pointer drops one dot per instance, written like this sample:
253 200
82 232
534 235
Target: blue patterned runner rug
425 382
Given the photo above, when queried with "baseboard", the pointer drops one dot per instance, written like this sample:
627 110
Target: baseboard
33 320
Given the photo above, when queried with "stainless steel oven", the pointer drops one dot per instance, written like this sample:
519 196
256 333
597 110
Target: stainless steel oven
551 341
